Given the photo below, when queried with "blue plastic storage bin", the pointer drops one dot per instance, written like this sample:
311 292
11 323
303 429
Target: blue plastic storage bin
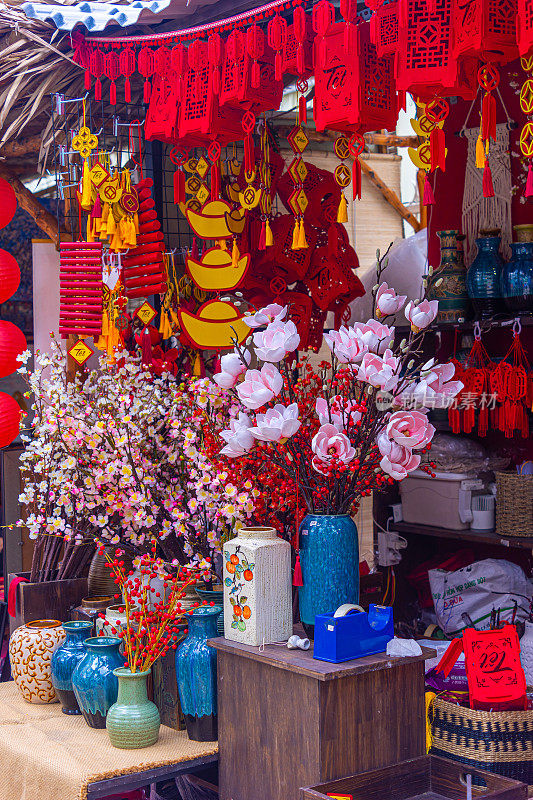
355 635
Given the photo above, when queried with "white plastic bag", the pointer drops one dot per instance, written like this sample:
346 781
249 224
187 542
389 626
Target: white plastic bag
467 596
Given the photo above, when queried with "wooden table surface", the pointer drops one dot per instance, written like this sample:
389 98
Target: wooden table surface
302 661
46 755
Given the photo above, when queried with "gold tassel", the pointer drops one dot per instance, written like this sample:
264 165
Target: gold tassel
136 223
105 212
86 187
97 224
295 235
342 212
302 241
111 225
197 368
269 239
480 153
173 317
90 237
430 696
222 244
235 254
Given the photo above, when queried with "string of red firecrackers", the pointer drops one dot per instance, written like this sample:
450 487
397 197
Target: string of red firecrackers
98 56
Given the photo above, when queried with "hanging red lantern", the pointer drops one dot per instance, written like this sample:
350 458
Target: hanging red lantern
9 276
215 53
277 36
349 14
255 47
10 412
12 344
145 65
8 203
323 19
127 68
112 72
250 82
96 68
384 29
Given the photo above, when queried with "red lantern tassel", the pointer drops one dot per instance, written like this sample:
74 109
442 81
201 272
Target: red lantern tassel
262 237
146 348
179 187
87 80
113 93
297 579
356 179
488 117
429 197
147 91
278 66
437 147
215 182
248 152
98 90
256 75
529 182
127 91
488 188
302 109
300 65
483 422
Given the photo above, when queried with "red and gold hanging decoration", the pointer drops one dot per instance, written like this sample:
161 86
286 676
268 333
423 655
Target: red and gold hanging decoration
526 134
488 78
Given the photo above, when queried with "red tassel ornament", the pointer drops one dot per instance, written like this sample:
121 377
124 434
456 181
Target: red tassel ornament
297 579
96 68
429 197
488 188
529 182
112 72
215 50
145 65
277 37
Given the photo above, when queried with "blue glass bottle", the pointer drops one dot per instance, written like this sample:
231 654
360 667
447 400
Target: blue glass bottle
196 672
484 276
329 556
517 278
64 661
95 686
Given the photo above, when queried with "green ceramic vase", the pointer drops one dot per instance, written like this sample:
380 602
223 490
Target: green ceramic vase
133 721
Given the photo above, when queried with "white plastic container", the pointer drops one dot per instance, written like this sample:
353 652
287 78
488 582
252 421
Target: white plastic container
443 501
257 587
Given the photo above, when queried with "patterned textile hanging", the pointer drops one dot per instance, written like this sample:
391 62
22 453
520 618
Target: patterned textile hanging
487 212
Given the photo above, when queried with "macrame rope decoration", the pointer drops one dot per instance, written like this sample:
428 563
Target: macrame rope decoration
478 211
488 79
526 134
356 145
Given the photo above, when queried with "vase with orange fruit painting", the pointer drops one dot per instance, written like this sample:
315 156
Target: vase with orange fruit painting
257 587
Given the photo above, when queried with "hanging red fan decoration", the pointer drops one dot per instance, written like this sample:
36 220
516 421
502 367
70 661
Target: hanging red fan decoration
127 64
96 68
485 29
353 90
80 289
277 38
145 66
112 72
384 29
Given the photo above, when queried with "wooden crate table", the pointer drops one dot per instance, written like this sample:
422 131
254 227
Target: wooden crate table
47 755
287 720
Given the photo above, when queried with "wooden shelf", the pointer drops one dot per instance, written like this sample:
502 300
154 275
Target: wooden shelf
500 321
481 537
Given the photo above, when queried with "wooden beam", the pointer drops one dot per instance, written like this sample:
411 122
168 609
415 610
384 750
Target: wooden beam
16 149
390 196
421 180
391 140
26 200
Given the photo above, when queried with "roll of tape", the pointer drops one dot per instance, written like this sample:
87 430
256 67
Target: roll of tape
346 608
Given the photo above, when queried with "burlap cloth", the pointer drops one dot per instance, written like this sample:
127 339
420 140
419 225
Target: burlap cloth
47 755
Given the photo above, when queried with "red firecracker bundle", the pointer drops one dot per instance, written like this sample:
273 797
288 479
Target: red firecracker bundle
143 267
80 282
354 89
485 29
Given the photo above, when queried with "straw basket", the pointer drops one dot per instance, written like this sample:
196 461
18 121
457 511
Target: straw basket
514 504
497 741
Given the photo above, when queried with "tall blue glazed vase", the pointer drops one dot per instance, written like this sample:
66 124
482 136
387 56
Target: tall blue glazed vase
65 660
196 672
329 556
95 686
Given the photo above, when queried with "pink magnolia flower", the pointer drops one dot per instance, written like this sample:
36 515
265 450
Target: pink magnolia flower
259 386
380 372
239 438
410 429
387 301
435 389
329 442
277 424
397 460
231 366
346 345
276 341
340 410
374 335
421 315
271 313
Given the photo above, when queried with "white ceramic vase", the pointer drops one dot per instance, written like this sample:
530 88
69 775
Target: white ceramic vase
30 652
116 621
257 587
526 653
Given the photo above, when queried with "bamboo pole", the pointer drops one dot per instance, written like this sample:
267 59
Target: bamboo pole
391 140
421 179
26 200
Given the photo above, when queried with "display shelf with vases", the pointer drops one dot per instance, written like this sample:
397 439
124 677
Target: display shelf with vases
133 721
65 660
94 684
31 648
315 440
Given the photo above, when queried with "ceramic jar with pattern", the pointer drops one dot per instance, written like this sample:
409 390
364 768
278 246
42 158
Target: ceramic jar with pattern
257 587
454 304
30 652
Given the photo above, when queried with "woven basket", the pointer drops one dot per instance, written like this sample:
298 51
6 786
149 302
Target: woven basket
514 504
498 741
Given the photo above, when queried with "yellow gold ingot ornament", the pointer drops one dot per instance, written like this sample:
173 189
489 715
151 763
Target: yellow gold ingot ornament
215 326
250 197
215 271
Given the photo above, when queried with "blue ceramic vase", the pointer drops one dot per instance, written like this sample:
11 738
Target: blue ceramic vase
484 277
95 686
329 557
64 661
517 278
196 672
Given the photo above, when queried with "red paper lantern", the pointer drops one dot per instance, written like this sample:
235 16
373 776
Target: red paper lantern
10 412
524 27
9 276
8 203
384 29
12 344
485 29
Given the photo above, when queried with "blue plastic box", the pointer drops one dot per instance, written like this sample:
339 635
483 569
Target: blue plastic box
355 635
